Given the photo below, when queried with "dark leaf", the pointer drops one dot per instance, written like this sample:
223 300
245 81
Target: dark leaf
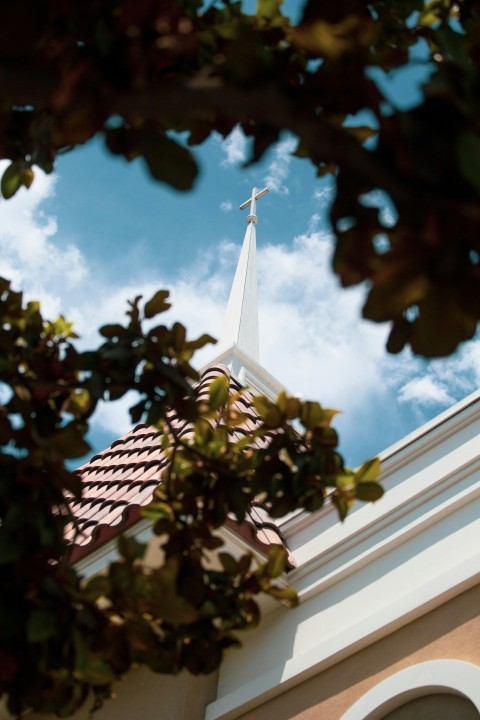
157 304
167 160
369 491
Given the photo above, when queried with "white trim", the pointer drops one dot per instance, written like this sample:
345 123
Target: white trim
400 454
395 615
376 549
455 418
97 560
434 676
247 370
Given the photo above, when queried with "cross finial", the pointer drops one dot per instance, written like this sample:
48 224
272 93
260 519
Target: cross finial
252 216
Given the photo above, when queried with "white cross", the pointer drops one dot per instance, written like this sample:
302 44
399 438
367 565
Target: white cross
252 216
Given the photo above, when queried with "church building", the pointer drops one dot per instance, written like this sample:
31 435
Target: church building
387 627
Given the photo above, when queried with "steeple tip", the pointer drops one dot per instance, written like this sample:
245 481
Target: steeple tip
240 327
252 201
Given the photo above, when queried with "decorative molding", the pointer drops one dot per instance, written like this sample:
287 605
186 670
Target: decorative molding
395 539
434 676
248 371
431 433
295 670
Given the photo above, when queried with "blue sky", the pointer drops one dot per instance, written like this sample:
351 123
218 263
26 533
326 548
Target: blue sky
100 231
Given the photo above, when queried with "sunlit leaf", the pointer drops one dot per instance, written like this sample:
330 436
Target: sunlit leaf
369 471
218 392
12 180
277 561
287 595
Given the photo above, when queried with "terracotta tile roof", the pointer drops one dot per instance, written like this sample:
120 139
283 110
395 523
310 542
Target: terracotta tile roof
120 480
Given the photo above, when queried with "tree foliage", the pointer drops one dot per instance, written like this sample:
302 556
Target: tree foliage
138 72
61 639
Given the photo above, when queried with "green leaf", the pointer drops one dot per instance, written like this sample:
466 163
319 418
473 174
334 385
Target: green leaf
218 392
28 177
468 152
11 180
111 331
98 586
166 159
212 543
369 491
229 564
79 402
291 407
313 415
157 304
201 341
69 443
178 336
97 672
131 549
369 471
42 624
270 15
268 411
244 565
203 431
434 11
444 321
158 511
171 607
287 595
342 505
390 299
277 561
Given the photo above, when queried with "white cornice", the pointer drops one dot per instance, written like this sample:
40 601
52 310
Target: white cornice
434 431
401 454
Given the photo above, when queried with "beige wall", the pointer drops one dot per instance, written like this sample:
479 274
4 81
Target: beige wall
451 631
144 695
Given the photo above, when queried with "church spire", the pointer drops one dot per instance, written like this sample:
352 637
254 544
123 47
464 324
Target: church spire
238 344
240 326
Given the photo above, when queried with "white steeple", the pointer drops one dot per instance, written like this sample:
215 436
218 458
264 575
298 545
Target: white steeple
238 346
240 325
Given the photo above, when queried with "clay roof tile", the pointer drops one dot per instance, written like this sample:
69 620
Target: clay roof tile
121 479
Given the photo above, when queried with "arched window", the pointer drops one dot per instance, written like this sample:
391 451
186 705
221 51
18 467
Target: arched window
418 689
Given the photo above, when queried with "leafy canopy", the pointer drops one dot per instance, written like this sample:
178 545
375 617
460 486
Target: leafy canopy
138 72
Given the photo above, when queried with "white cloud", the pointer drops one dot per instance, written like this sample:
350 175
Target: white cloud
426 391
277 171
323 195
226 206
314 222
328 352
235 148
31 253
